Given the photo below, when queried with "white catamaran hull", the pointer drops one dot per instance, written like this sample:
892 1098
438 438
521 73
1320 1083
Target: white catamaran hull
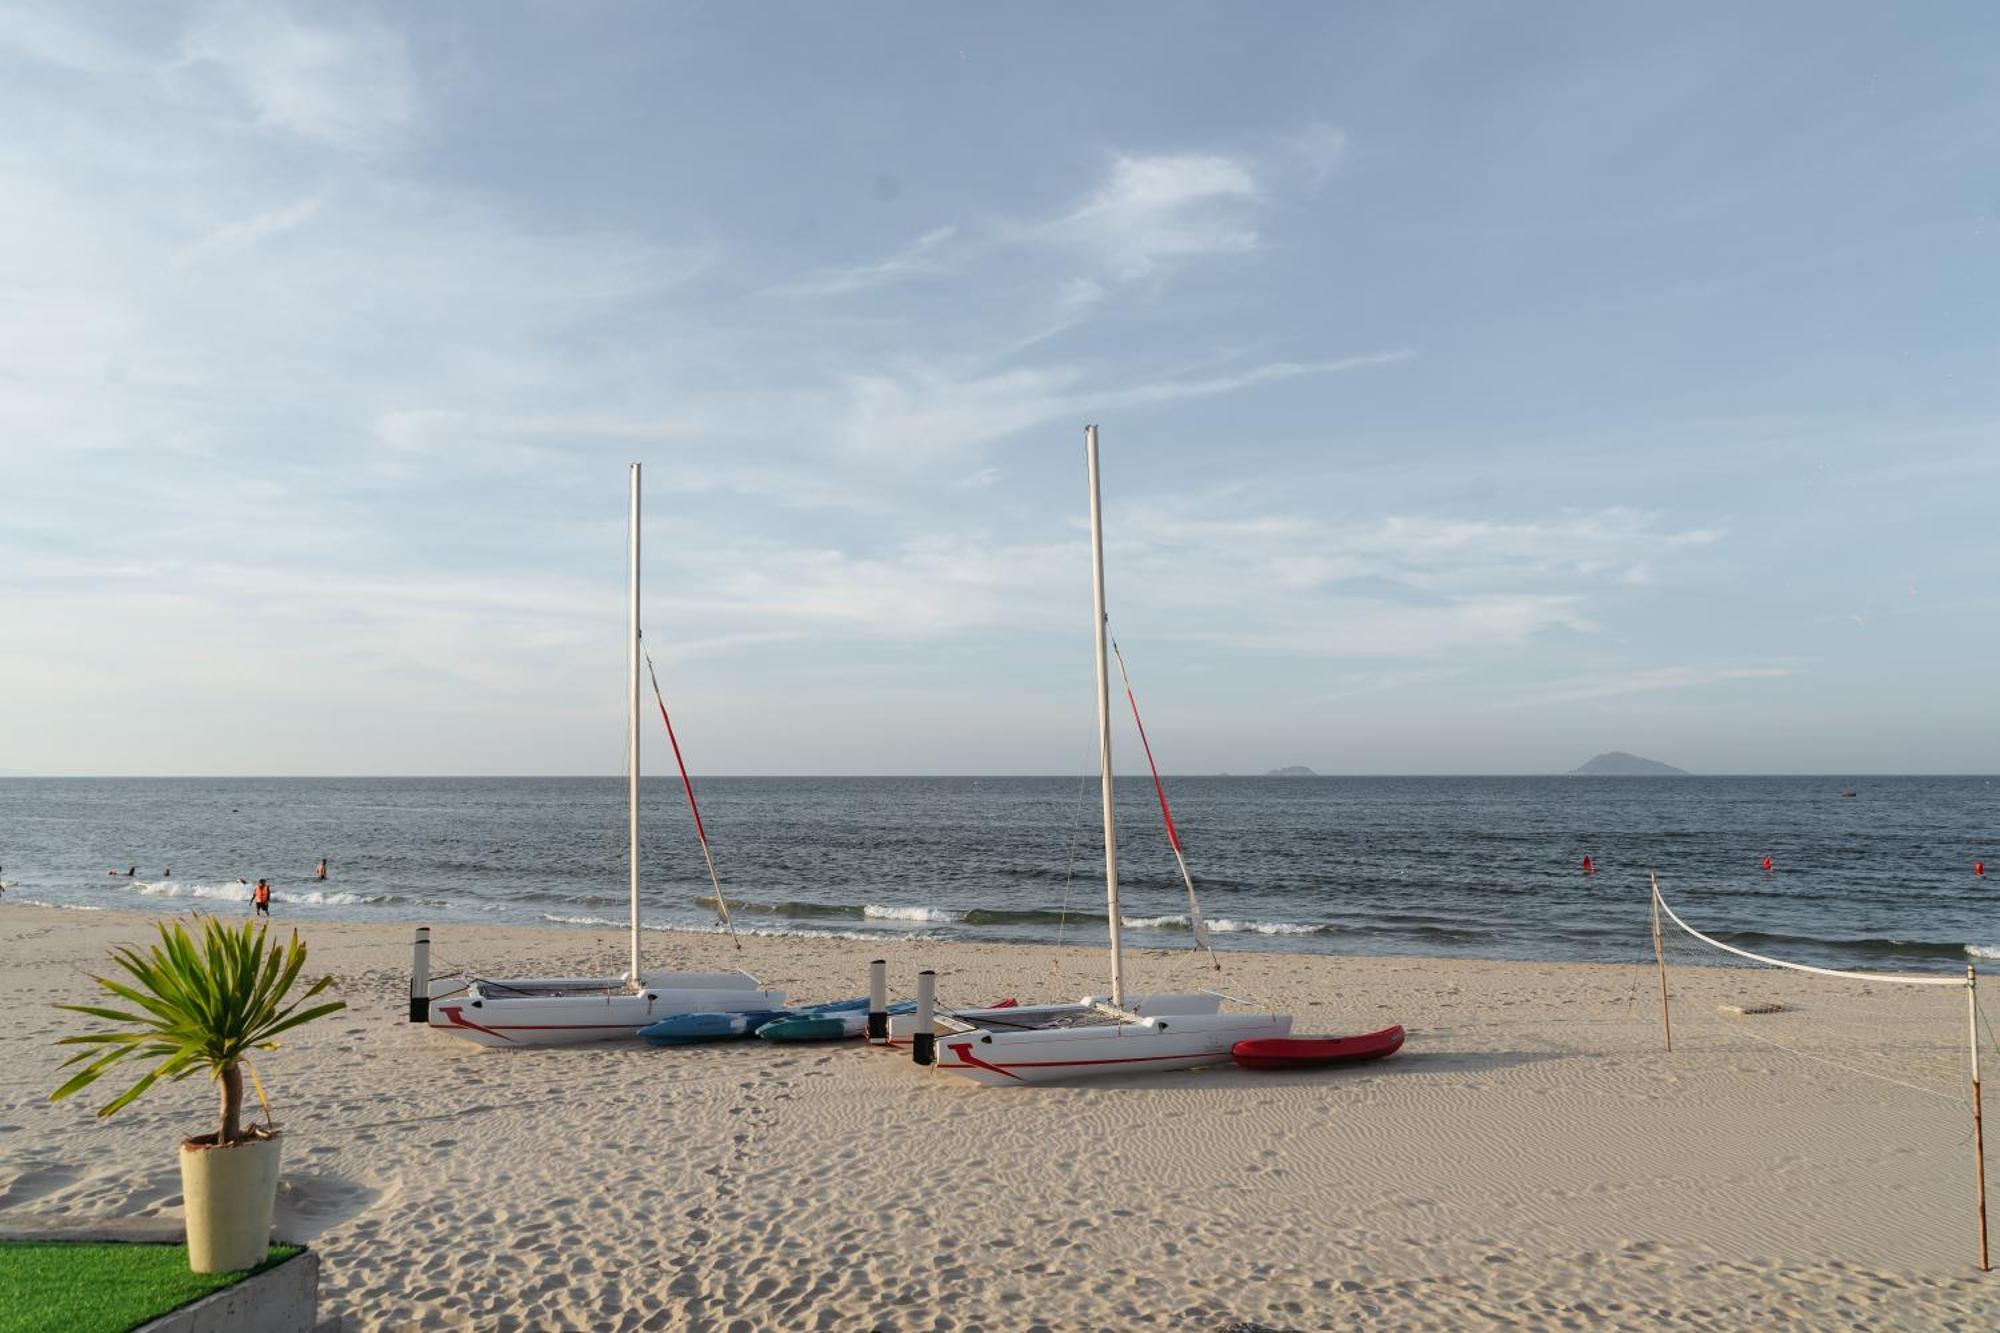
1180 1041
1014 1016
551 1018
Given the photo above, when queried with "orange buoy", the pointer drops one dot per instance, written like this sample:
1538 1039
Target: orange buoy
1767 865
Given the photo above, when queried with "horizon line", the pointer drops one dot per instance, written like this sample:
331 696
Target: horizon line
774 777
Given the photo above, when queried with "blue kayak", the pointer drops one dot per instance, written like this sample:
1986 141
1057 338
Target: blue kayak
692 1029
824 1025
688 1029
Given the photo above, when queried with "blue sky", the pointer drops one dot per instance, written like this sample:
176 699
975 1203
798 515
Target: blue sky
1482 386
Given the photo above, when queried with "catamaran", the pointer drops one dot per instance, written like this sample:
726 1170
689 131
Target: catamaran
1099 1034
553 1011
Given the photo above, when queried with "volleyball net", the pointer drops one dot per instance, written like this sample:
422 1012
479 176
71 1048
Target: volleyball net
1664 915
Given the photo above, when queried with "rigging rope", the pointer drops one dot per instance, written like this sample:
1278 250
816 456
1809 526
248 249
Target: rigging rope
721 903
1069 870
1195 923
1801 967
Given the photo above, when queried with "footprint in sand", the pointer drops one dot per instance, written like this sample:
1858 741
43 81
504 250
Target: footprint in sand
36 1182
309 1204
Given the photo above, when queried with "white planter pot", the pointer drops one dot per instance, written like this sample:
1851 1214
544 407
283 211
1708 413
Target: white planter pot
229 1194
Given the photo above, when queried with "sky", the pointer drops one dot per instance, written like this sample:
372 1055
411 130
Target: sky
1481 386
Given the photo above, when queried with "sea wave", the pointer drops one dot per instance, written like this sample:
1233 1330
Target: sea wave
717 928
560 919
802 933
786 907
67 907
938 914
1227 926
1983 950
1871 948
240 893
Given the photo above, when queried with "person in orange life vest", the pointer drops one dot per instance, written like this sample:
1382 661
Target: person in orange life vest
261 896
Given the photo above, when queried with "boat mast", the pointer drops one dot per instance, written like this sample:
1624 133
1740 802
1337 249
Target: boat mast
1104 724
632 729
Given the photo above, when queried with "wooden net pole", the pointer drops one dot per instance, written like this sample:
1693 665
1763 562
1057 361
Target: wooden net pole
1660 957
1978 1129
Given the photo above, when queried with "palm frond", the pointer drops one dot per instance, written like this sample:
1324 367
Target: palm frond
198 1002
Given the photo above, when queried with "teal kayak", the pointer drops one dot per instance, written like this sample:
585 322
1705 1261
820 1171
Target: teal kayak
688 1029
824 1025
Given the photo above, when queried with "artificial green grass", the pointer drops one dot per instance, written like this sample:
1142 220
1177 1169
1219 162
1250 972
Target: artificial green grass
55 1287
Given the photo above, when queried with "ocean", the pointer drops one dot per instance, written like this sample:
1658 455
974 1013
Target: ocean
1471 867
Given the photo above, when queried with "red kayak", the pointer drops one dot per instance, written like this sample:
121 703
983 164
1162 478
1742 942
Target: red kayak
1314 1052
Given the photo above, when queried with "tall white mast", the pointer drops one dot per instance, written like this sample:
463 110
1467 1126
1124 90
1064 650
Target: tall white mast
1104 724
632 731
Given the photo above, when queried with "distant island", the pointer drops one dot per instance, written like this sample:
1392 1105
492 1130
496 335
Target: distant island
1618 764
1294 771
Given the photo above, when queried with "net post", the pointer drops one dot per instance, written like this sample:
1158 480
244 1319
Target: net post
1978 1129
1660 957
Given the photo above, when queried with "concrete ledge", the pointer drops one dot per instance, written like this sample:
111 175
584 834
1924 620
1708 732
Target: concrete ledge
282 1299
104 1231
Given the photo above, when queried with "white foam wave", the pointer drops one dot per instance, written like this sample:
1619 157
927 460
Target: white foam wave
67 907
939 914
1226 926
800 933
716 928
1269 927
561 920
1983 950
240 893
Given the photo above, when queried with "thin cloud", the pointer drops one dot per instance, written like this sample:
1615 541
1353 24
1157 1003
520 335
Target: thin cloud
351 86
1152 211
928 256
47 38
1315 152
233 238
933 411
1648 680
1148 215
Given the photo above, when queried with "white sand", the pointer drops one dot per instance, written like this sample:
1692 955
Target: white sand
1533 1156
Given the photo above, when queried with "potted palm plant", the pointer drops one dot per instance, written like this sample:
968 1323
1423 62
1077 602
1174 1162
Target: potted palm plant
201 1004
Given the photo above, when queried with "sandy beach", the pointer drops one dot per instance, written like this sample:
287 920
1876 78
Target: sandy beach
1532 1158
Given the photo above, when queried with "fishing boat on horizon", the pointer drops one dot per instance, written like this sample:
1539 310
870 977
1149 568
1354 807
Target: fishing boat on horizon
556 1011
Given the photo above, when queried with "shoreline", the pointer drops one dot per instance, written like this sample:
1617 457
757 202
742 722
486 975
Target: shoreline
1234 941
1532 1153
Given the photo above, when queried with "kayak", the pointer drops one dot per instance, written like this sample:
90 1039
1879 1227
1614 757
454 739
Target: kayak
824 1024
1316 1052
690 1029
687 1029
